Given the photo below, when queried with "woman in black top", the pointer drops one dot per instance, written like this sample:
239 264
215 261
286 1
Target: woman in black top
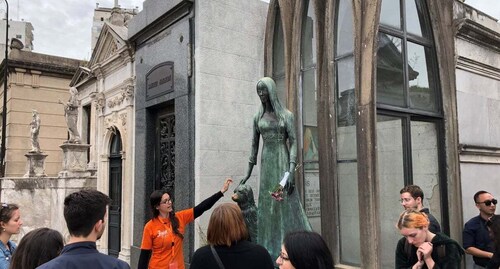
227 239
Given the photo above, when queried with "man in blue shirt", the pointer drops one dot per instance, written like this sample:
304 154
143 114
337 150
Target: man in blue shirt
476 239
85 213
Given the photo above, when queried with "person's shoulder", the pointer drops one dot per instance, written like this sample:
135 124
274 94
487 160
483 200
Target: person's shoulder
112 260
473 221
202 251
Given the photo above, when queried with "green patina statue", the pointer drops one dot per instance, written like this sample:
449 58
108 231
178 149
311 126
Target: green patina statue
275 123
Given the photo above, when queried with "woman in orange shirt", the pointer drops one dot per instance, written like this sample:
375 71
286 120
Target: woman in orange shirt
163 235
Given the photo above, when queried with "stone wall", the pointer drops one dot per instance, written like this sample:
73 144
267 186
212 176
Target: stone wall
41 200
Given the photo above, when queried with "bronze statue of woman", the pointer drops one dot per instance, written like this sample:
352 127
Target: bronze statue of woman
276 125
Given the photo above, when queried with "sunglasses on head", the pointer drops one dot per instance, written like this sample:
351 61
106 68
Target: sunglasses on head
489 202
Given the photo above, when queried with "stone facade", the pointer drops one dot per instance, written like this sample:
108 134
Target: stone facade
215 49
106 91
36 81
478 104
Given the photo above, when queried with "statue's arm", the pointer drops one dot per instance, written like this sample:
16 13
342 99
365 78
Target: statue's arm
253 151
292 142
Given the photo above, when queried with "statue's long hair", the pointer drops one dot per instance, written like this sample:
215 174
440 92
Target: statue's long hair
278 108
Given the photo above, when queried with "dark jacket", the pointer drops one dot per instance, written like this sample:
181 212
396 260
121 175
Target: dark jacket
434 226
242 255
447 257
83 255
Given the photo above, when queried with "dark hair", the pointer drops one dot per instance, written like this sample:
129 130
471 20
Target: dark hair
493 224
6 212
477 195
83 209
155 200
36 248
307 250
226 225
414 190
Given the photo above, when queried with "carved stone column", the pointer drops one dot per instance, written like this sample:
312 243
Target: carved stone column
74 160
35 164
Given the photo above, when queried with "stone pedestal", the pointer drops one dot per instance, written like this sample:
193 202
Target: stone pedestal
35 165
74 160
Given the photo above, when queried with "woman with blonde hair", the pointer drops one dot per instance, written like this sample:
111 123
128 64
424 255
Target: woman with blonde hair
420 248
228 245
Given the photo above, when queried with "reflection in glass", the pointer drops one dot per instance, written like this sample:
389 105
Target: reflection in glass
425 162
421 81
391 178
308 37
416 22
349 214
310 119
345 39
390 73
390 13
346 107
348 207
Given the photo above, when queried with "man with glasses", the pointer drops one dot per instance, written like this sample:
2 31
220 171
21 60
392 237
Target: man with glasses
412 197
476 239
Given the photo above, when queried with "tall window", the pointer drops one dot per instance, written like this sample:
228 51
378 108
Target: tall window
347 163
309 120
279 57
409 114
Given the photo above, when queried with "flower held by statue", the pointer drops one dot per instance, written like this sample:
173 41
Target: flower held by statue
277 191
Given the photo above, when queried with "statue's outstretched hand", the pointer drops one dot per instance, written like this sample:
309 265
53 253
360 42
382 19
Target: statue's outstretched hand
225 187
243 181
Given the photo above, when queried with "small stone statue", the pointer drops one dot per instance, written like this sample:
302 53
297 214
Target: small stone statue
71 114
35 130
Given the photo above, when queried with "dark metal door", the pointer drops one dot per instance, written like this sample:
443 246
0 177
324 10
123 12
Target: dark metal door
165 151
115 193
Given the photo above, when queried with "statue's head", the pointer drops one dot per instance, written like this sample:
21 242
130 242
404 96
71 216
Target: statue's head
73 91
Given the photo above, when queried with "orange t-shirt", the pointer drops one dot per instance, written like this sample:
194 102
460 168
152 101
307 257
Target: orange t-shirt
165 245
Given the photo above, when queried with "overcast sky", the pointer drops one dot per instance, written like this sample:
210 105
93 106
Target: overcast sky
63 27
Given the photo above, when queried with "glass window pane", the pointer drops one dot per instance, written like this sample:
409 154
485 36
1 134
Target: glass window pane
346 106
308 38
345 37
424 144
349 213
390 13
280 89
390 76
421 78
310 119
416 22
391 177
278 48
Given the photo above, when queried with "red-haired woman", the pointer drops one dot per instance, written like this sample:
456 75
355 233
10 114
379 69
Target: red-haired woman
420 248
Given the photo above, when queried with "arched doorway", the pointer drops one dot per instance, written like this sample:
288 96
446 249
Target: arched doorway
115 193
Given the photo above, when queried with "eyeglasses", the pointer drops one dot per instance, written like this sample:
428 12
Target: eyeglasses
405 200
489 202
166 201
283 257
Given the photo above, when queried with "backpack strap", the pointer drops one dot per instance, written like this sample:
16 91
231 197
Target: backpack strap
441 250
216 256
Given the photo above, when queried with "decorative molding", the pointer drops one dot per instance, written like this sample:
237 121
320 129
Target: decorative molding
99 101
126 94
478 68
479 154
474 32
115 119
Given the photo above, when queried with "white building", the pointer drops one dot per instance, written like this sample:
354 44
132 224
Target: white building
21 30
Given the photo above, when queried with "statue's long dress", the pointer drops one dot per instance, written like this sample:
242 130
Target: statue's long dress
276 218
